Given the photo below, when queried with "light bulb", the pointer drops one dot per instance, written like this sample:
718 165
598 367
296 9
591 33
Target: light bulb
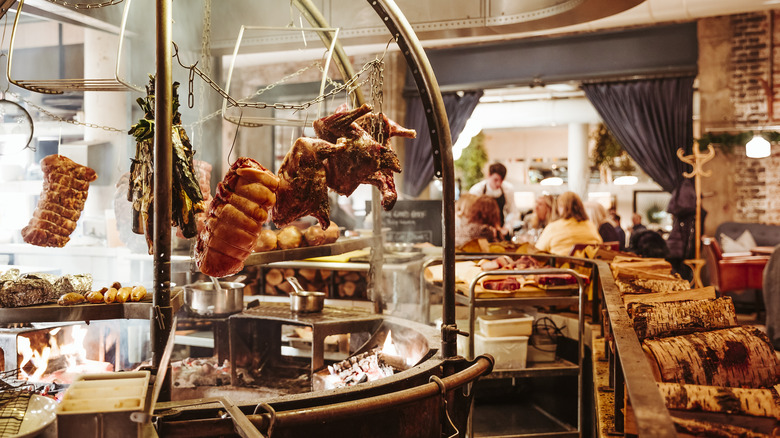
758 147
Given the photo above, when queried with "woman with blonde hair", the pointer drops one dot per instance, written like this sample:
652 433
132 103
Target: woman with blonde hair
572 227
598 215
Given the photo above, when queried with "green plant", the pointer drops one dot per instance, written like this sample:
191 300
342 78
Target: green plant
654 214
608 151
471 162
726 141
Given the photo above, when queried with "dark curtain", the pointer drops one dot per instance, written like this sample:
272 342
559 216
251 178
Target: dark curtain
418 162
651 119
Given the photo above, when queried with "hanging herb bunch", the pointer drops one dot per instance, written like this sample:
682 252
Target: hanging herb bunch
471 162
608 152
726 142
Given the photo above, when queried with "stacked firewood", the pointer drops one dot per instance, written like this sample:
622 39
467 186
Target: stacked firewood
310 279
700 356
350 285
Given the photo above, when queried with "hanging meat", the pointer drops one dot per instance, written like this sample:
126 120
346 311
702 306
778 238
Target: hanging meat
353 148
235 218
65 185
302 183
186 199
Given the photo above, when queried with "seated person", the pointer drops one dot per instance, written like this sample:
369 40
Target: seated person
598 215
476 217
572 227
534 223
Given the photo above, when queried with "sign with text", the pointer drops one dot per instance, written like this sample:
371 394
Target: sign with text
413 222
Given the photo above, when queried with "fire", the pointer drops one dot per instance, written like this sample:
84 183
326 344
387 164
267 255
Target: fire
388 347
72 355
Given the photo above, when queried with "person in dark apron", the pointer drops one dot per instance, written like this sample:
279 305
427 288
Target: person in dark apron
495 187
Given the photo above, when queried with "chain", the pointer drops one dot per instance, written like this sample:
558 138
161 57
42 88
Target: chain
205 58
60 119
85 5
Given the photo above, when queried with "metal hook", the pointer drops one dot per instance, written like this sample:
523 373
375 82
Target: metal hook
443 392
268 408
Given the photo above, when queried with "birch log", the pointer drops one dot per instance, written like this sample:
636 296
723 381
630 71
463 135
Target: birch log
762 402
681 317
703 293
714 430
739 357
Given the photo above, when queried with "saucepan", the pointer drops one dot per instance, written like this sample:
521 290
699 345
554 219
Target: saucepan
204 300
304 301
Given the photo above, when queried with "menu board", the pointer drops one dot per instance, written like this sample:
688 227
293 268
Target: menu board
413 222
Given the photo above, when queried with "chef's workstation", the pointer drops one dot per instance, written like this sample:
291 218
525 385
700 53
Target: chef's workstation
89 354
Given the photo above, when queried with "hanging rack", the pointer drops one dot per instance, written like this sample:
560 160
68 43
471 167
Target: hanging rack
60 86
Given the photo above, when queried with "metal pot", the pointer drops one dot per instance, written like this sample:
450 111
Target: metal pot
201 299
304 301
307 302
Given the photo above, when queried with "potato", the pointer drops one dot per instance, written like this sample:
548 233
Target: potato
95 297
110 295
266 241
71 298
138 293
123 294
332 233
314 235
289 237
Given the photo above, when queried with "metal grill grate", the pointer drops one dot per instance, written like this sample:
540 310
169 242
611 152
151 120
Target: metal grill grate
13 406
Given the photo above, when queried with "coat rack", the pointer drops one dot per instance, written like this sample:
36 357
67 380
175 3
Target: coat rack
697 160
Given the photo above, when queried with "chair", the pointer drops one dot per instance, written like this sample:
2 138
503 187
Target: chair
734 273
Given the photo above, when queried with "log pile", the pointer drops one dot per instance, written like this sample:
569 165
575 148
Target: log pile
701 358
337 284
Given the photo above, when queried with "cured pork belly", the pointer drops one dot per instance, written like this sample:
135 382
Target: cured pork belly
65 185
236 215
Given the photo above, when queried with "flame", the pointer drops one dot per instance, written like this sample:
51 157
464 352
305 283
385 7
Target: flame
72 351
388 347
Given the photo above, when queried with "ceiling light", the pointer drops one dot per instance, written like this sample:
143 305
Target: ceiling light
625 180
553 181
758 147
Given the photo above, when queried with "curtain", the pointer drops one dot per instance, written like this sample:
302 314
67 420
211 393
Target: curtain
418 162
651 119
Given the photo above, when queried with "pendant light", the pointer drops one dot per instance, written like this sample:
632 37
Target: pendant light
758 147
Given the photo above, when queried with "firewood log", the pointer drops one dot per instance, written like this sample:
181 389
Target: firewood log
347 289
325 273
763 402
308 274
274 277
702 428
704 293
681 317
270 290
736 357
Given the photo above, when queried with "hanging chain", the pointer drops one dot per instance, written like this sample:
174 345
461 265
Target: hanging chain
60 119
376 81
85 5
348 86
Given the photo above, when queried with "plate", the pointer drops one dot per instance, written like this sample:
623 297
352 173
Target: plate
39 415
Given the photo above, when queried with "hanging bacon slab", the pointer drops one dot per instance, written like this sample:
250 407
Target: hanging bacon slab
65 185
236 215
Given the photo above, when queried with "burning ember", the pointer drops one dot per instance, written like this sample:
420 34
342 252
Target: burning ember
366 367
57 356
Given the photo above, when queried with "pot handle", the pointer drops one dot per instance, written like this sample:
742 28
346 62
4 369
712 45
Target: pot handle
295 284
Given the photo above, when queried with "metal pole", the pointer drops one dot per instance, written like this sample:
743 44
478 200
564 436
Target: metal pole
162 314
441 144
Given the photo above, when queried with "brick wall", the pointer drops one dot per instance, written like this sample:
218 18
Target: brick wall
751 191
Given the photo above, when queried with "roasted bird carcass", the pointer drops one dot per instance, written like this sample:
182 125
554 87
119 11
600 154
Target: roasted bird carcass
352 156
65 185
236 216
364 154
302 183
